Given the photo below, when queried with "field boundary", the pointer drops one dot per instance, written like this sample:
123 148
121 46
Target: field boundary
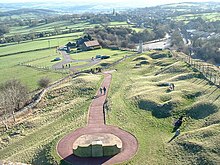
209 71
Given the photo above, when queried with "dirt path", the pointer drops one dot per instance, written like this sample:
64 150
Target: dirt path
96 124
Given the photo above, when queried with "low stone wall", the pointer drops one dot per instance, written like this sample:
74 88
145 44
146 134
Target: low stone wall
97 145
96 150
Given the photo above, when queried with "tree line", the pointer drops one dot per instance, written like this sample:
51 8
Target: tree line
204 38
122 36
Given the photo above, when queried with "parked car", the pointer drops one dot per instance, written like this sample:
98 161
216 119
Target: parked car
56 59
98 56
105 57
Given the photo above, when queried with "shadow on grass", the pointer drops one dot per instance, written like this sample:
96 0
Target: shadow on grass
191 147
172 138
139 59
217 98
200 82
213 91
105 64
158 111
74 160
201 110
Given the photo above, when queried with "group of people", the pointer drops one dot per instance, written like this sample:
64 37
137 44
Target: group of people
176 129
95 70
67 65
103 90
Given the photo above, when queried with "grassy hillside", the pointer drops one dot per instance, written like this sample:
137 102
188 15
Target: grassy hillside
210 17
139 102
64 108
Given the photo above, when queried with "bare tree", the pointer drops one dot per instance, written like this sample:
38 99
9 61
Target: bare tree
3 111
14 96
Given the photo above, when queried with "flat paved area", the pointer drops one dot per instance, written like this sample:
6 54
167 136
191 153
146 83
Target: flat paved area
96 124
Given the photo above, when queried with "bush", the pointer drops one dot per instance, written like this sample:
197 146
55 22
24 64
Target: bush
44 82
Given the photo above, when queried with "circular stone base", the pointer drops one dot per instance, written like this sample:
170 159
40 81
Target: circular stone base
97 145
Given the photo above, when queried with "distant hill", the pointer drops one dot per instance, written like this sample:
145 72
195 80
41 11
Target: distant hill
69 7
26 11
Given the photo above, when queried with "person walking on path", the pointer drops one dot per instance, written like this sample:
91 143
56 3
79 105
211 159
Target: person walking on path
104 89
100 90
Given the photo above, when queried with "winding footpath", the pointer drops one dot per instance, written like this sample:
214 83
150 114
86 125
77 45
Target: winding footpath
96 124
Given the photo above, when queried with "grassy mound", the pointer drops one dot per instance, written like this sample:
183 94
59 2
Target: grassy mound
144 62
140 58
201 110
185 76
141 104
200 146
158 55
159 111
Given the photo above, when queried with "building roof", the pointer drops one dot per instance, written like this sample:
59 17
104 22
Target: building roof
92 43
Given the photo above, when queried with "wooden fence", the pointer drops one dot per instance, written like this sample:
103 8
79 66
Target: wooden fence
209 71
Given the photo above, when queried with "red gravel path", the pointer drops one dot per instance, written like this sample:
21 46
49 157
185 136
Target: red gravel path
96 124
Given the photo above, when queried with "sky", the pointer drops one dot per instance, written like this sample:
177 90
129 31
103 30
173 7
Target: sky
135 3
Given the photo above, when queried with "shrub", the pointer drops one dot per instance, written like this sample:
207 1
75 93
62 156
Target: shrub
44 82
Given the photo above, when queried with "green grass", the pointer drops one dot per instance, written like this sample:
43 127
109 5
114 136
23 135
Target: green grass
61 25
64 108
114 54
211 17
78 63
10 69
137 103
30 76
32 45
138 29
47 61
117 24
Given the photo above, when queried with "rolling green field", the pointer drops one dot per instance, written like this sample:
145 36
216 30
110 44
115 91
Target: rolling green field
29 75
138 101
138 29
38 44
47 61
60 25
114 54
211 17
9 68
